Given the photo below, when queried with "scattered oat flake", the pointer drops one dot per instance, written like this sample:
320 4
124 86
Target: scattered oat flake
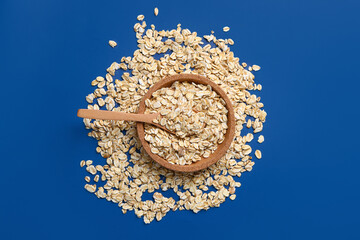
90 188
140 17
96 178
261 139
112 43
255 67
91 169
226 29
156 11
258 154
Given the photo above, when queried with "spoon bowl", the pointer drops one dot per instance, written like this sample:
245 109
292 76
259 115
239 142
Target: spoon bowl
222 148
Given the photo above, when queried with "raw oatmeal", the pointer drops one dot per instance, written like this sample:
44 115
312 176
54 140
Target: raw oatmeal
195 113
126 172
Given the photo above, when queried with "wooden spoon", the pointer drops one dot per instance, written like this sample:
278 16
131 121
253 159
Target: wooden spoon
142 118
112 115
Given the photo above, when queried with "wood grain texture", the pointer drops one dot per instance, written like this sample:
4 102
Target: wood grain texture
112 115
222 148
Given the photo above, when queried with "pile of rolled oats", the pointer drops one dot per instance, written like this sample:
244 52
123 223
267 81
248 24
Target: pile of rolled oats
195 113
127 171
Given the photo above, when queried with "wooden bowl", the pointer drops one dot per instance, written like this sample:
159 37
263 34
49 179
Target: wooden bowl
222 148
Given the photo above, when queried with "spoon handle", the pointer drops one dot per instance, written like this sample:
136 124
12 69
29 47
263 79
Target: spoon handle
111 115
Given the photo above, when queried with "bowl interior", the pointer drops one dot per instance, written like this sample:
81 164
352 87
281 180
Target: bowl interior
222 148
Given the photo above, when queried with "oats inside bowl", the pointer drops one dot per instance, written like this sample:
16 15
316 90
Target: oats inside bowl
195 113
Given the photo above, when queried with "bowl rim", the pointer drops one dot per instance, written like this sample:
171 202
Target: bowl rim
222 148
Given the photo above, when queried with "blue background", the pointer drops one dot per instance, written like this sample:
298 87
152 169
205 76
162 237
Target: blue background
305 187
